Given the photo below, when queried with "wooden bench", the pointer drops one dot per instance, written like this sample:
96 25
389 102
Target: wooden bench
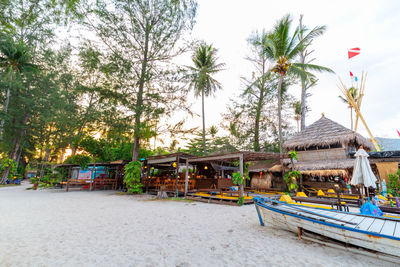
329 202
78 183
235 193
102 183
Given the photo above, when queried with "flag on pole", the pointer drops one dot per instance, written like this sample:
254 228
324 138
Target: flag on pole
353 52
398 132
351 76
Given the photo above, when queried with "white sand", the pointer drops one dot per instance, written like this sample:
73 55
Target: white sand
102 228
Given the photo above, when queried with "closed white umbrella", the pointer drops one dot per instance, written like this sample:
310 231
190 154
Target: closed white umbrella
362 172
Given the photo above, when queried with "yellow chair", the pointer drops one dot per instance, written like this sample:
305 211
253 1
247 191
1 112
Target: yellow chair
382 197
286 198
301 194
320 193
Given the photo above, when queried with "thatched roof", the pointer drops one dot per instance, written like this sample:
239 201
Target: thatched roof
262 166
325 173
325 132
324 165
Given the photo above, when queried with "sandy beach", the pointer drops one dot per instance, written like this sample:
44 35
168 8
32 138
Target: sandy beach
103 228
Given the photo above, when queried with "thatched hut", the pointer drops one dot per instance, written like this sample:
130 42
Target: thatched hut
326 153
265 174
324 150
325 135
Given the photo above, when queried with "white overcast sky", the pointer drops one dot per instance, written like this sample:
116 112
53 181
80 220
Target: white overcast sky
374 26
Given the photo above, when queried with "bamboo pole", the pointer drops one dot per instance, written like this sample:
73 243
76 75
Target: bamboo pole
353 103
360 96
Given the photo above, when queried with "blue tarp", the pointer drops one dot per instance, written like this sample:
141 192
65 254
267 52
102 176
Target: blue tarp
370 209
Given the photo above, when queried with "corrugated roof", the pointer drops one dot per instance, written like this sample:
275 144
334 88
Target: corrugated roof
388 144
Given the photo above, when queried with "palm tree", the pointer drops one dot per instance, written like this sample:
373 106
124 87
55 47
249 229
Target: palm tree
201 77
284 49
311 81
354 94
297 113
14 60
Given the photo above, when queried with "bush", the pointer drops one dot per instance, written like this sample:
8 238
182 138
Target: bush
291 180
81 160
5 162
394 184
132 177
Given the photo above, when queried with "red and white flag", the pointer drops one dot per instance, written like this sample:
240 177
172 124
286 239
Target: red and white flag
353 52
398 132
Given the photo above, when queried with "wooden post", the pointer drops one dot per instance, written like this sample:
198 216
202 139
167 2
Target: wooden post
187 177
176 176
241 173
147 177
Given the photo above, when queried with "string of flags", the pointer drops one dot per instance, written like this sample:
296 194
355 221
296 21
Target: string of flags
352 52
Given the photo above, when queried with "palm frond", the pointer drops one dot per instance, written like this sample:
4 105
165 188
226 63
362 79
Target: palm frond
313 67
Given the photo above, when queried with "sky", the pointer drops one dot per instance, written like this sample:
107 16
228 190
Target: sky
373 26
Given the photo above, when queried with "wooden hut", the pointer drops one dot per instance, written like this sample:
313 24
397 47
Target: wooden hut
265 174
326 153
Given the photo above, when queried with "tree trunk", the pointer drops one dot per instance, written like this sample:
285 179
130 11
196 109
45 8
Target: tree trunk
5 109
73 150
204 123
91 175
258 110
13 155
62 155
303 104
139 101
303 83
279 112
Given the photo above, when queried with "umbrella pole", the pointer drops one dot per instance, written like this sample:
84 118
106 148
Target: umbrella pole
362 195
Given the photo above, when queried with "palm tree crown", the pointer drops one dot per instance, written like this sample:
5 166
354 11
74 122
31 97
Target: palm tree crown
14 57
201 78
284 49
205 66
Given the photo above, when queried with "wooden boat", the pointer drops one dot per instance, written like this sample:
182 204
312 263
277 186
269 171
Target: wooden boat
377 234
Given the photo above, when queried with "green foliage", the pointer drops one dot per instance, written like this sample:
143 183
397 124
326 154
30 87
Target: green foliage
293 155
81 159
132 177
240 201
6 162
393 186
215 144
291 180
50 179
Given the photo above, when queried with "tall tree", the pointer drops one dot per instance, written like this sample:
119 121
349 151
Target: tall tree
142 37
297 113
201 78
14 60
310 80
284 49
